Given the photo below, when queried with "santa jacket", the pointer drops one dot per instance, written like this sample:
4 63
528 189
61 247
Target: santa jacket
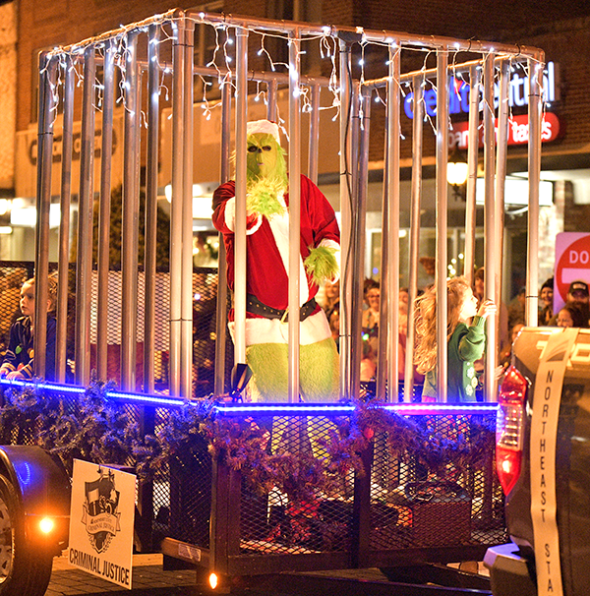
268 243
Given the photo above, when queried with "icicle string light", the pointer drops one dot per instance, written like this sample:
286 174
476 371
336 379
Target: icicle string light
222 63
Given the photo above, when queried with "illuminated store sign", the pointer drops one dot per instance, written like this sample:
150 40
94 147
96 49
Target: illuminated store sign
518 131
459 95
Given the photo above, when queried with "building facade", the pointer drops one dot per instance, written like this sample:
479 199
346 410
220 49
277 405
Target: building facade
562 31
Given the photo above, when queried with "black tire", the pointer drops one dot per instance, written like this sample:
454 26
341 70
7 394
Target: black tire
24 570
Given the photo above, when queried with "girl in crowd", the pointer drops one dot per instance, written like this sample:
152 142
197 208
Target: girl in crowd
466 342
573 314
18 361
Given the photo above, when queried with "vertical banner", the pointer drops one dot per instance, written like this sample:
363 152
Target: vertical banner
101 522
544 420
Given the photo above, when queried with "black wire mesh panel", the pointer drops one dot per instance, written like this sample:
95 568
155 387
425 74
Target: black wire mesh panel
422 500
309 508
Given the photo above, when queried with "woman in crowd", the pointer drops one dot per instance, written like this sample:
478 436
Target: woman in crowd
573 314
466 342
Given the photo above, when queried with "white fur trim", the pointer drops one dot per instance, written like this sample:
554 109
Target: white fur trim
264 127
272 331
279 225
230 218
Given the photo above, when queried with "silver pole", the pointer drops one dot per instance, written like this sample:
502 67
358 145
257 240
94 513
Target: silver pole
501 157
178 124
48 70
241 168
271 108
472 157
429 41
221 313
415 206
359 234
535 66
490 227
130 220
442 158
314 132
84 264
151 208
382 368
345 213
294 215
104 215
64 227
393 153
186 331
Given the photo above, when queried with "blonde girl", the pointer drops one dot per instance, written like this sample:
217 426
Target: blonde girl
466 342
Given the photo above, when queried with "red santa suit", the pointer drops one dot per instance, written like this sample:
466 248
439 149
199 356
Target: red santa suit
267 259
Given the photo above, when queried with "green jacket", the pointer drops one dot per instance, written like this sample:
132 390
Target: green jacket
466 345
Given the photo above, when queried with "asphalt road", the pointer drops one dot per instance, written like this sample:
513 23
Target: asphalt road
149 579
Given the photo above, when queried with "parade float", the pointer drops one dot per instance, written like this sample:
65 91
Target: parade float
233 487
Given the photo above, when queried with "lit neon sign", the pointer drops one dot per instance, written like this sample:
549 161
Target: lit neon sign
459 98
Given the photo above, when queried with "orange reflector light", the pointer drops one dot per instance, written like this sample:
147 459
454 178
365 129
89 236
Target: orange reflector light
46 525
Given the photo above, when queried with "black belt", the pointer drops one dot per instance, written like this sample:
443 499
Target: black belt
254 306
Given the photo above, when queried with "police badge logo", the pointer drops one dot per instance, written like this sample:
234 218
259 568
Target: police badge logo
101 517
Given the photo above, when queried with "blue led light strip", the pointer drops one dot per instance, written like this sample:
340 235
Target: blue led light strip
278 409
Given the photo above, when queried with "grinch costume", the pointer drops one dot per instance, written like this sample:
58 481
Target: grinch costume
267 272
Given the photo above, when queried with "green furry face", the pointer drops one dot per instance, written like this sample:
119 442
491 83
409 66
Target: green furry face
263 156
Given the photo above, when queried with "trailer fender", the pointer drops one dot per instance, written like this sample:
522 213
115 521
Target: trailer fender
42 490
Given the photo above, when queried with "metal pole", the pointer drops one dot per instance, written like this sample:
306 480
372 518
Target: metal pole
48 70
393 154
178 124
241 169
186 331
314 132
490 227
472 158
381 375
271 108
64 227
151 208
294 215
501 157
221 313
415 206
130 217
359 227
85 203
535 67
345 213
104 214
442 157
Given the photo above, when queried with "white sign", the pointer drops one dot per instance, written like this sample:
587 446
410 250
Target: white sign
543 446
101 522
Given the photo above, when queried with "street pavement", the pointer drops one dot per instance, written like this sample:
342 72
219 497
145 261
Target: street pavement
149 579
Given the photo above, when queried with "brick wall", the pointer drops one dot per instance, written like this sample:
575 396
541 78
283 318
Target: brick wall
45 24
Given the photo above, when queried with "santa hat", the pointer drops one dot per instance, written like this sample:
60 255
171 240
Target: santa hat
264 127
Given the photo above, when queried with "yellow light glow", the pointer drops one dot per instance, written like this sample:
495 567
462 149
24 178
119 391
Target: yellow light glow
46 525
213 580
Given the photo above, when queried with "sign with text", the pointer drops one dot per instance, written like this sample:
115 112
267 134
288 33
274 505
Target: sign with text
543 445
101 522
518 131
572 263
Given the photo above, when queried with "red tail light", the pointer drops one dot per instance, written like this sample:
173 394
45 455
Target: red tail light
509 428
